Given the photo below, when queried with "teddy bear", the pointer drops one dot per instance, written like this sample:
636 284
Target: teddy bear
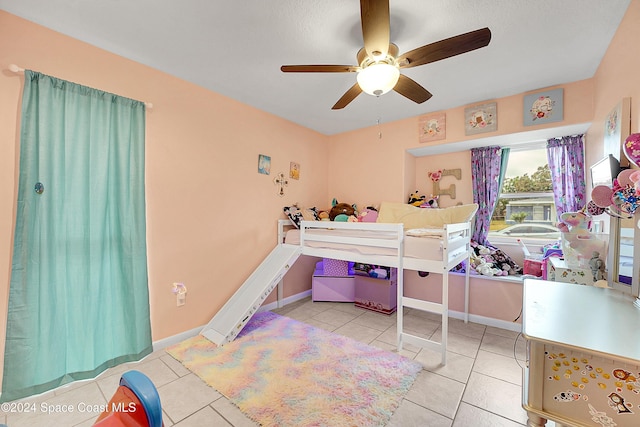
342 209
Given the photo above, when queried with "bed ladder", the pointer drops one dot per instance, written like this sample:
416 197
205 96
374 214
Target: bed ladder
238 310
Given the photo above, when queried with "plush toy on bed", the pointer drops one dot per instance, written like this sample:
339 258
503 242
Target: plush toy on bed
431 202
297 214
368 214
342 209
416 199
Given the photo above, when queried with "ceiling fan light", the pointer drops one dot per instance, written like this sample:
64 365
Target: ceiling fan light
378 79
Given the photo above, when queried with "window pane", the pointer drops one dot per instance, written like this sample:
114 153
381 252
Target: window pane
525 207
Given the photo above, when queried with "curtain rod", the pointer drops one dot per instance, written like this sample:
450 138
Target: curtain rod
15 69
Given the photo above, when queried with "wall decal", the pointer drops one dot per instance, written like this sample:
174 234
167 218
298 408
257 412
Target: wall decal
282 181
438 175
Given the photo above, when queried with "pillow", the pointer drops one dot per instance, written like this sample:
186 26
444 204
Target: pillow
296 214
310 214
415 217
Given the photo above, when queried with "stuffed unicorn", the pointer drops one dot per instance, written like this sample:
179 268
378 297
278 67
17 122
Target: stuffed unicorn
578 242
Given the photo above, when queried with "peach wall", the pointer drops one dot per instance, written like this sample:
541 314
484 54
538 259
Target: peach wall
488 297
617 78
210 215
354 155
433 163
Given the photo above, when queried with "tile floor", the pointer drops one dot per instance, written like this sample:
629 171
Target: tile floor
479 386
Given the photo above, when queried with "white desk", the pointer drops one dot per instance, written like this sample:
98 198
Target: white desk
583 346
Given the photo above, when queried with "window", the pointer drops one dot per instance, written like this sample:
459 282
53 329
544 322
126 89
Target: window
525 207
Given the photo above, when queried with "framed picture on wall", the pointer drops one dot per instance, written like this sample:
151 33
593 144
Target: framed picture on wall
481 118
294 170
543 107
264 164
432 127
617 126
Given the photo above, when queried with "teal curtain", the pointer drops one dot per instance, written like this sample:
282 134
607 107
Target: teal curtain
78 298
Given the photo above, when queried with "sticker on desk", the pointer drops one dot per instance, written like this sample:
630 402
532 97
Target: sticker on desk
591 389
601 417
568 396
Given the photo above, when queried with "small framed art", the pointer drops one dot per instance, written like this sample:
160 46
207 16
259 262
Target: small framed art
264 164
294 170
432 127
481 118
617 126
543 107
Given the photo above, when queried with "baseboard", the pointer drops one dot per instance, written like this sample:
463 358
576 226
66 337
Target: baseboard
285 301
475 318
488 321
175 339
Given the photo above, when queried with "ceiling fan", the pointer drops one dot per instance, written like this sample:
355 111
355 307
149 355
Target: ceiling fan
378 61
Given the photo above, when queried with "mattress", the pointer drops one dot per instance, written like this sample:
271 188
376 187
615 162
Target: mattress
418 243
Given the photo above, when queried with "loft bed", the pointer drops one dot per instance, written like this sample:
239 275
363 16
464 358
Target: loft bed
437 246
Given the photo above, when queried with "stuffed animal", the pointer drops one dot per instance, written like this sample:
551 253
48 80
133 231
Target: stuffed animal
432 202
578 243
416 199
345 218
323 216
487 269
368 214
342 208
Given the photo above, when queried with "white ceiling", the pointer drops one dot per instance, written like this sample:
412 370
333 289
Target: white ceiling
236 48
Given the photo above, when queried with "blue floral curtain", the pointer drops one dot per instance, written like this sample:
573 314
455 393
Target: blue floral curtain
488 165
78 297
566 162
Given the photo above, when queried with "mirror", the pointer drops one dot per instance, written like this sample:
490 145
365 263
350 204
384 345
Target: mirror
622 257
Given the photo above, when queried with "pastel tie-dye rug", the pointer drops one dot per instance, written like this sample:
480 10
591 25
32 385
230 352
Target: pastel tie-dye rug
281 372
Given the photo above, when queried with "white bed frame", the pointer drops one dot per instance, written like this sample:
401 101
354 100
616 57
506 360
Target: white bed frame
454 251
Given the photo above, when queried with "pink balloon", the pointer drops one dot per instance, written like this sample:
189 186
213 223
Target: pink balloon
601 196
631 148
624 177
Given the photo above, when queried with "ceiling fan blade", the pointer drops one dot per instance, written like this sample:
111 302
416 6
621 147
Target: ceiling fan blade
319 68
375 26
349 96
445 48
408 88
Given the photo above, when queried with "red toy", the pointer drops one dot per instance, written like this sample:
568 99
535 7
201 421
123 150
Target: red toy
136 403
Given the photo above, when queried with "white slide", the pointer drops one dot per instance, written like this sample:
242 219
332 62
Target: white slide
236 312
